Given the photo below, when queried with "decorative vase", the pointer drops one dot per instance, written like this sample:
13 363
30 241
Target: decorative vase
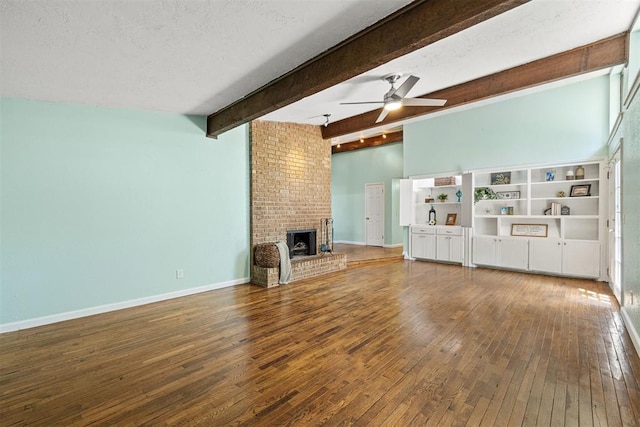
579 172
432 216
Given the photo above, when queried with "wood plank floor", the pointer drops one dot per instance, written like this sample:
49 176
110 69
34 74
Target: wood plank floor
360 254
397 343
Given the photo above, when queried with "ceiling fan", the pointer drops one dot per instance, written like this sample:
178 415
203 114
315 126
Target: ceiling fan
395 98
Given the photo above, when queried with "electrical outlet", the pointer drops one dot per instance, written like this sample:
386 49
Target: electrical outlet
179 273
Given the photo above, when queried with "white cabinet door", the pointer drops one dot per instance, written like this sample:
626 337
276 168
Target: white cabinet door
407 210
484 250
449 248
581 258
513 253
423 246
443 248
545 255
500 252
456 249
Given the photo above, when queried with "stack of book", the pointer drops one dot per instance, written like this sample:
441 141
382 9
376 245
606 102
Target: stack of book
556 208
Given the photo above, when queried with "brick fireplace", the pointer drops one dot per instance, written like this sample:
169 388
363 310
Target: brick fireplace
302 242
290 191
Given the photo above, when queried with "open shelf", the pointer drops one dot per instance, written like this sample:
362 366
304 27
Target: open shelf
537 195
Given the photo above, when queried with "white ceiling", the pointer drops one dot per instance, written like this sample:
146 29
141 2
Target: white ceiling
179 56
197 56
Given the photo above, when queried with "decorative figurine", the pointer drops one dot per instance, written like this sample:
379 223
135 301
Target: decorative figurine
458 195
432 216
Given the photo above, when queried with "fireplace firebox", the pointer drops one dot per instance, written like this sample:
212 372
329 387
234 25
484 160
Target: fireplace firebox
301 242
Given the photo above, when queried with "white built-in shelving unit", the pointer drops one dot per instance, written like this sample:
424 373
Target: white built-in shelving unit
517 230
572 244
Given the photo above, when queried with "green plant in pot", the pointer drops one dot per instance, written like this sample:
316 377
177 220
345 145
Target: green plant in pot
442 197
484 193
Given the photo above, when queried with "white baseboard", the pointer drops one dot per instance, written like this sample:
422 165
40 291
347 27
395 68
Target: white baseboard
54 318
347 242
633 333
394 245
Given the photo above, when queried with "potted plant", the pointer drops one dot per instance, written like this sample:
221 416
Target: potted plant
484 193
442 197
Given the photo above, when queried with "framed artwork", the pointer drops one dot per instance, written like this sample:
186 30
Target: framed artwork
529 230
451 219
582 190
499 178
508 194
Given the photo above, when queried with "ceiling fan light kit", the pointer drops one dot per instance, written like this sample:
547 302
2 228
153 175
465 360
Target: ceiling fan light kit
395 98
392 105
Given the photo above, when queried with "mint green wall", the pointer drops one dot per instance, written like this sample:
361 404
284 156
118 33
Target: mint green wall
634 56
103 205
556 125
630 208
631 196
350 171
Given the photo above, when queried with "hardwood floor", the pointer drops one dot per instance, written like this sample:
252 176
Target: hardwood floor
360 254
395 343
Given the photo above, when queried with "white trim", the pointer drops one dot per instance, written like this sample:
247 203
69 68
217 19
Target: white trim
60 317
347 242
633 333
394 245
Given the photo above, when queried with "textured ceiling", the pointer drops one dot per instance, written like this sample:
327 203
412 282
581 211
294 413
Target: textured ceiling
197 56
188 56
532 31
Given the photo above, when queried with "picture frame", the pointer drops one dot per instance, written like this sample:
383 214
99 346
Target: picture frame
581 190
550 176
530 230
500 178
508 194
451 219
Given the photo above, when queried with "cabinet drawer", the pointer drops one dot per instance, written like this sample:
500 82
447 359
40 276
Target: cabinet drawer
453 231
423 230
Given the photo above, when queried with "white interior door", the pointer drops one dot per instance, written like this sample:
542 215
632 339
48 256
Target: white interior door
374 214
614 225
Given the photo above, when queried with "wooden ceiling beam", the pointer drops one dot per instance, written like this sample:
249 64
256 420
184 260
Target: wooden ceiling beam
417 25
374 141
592 57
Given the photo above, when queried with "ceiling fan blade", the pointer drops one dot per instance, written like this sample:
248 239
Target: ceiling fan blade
423 102
363 102
382 115
405 87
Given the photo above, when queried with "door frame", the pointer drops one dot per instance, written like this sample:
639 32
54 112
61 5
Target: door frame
614 225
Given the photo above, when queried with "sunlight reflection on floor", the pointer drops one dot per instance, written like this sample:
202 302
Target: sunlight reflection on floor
595 296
